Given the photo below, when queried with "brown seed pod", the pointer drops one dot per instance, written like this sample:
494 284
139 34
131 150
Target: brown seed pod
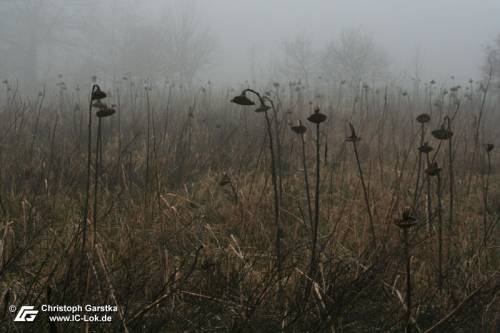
317 117
423 118
407 219
98 94
299 129
105 112
442 133
433 169
242 100
225 180
489 147
262 108
425 148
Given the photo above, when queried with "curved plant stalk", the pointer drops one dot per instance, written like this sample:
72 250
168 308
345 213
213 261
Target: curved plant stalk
489 148
96 177
87 185
419 167
274 177
429 200
354 139
316 206
440 233
451 184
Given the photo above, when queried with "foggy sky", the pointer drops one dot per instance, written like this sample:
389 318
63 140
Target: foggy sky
448 35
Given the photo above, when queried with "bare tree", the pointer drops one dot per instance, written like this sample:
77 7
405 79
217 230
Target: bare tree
491 67
189 44
299 60
354 57
29 30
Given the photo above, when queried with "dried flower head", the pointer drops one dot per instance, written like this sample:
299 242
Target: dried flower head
317 117
433 169
407 220
98 94
225 180
443 133
489 147
299 128
262 108
242 100
105 112
423 118
425 148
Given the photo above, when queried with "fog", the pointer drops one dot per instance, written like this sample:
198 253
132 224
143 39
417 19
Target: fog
237 41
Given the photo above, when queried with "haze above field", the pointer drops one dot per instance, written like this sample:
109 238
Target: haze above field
448 35
231 41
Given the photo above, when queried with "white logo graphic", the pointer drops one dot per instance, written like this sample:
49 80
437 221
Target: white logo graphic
27 313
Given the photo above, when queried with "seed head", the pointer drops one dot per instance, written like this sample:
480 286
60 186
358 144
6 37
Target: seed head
489 147
242 100
425 148
105 112
407 219
225 180
98 94
423 118
433 169
299 129
442 133
317 117
262 108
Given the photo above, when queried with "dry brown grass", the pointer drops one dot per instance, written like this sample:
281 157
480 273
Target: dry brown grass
201 255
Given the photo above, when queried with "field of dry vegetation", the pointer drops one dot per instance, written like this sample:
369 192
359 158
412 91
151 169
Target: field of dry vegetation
294 209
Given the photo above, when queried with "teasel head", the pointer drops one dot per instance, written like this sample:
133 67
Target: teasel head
433 169
353 137
242 100
423 118
299 128
425 148
317 117
488 147
97 93
407 220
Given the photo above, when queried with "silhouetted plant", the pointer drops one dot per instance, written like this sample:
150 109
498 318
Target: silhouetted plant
316 118
301 130
488 149
103 112
433 170
354 139
422 119
406 222
96 96
445 134
243 100
426 149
